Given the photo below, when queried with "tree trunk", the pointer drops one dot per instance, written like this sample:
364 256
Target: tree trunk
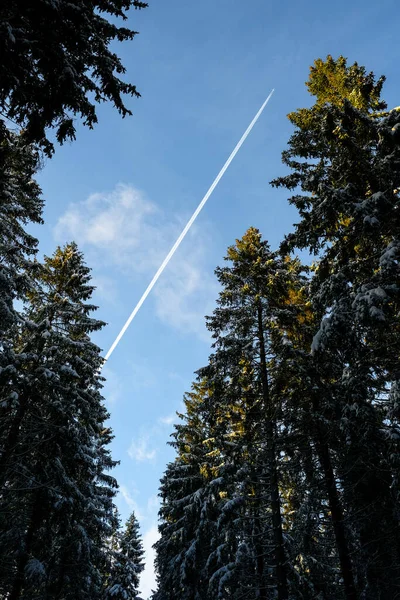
335 508
259 548
280 559
24 557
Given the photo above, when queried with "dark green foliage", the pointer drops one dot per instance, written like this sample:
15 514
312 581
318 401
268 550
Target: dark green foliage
345 159
189 508
297 438
243 515
286 480
20 204
56 62
127 563
56 493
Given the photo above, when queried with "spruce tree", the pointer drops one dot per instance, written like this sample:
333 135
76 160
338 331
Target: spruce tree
56 63
245 439
56 493
255 293
20 205
127 563
188 512
344 157
315 505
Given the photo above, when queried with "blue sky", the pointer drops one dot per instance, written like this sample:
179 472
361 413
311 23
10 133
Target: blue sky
125 190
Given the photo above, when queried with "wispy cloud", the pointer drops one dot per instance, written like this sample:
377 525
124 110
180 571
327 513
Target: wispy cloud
123 229
141 451
131 502
110 222
168 420
127 496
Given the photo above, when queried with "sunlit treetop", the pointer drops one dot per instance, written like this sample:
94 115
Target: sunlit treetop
333 81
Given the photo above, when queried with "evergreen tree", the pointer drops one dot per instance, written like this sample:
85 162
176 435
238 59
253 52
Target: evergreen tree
56 494
20 204
254 298
344 156
127 563
288 455
243 513
188 511
56 57
314 506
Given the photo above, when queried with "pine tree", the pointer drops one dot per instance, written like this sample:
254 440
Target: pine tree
243 440
188 511
56 57
20 204
314 504
56 493
344 156
127 563
255 295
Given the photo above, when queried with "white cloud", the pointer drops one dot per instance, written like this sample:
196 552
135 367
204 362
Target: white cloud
148 579
125 230
140 450
127 496
168 420
131 502
110 222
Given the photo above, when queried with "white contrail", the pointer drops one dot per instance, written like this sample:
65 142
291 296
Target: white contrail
186 229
